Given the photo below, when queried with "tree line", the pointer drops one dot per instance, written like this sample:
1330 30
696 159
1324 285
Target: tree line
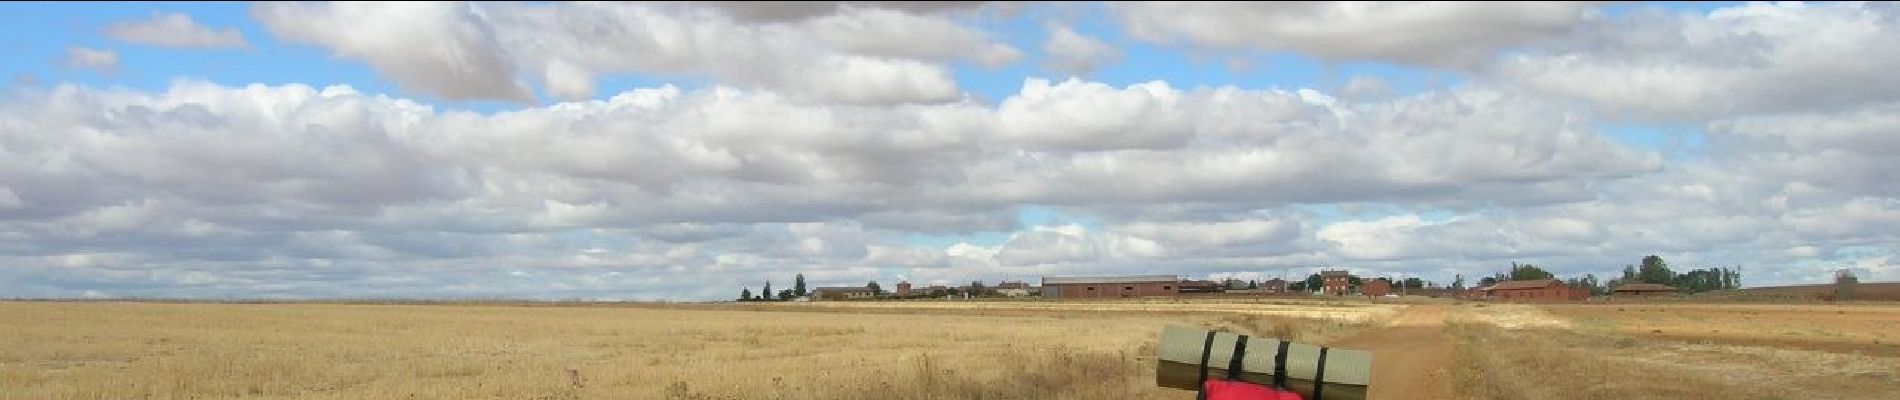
797 290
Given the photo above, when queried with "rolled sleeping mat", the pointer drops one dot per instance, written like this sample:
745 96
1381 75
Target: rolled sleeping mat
1347 373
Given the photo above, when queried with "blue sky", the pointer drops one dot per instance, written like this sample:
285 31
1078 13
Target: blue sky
764 166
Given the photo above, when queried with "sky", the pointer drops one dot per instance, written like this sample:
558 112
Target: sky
683 151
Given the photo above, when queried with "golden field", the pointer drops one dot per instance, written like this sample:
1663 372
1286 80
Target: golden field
924 349
779 351
1677 351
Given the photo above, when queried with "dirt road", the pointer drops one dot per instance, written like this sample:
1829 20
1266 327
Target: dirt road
1410 357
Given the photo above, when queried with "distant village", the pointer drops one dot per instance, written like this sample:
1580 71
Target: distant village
1523 282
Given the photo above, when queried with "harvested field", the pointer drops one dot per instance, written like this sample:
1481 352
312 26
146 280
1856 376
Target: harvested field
1311 309
1674 351
1866 291
1847 329
332 351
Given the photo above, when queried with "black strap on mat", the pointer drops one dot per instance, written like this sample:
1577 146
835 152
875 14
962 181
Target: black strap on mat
1279 366
1319 374
1200 385
1240 353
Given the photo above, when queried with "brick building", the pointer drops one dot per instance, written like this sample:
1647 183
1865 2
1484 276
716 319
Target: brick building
1376 287
1273 286
1335 282
1535 291
903 288
1108 287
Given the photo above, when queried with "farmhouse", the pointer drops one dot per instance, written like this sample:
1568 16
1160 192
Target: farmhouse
1337 283
1534 290
843 293
1274 286
1643 290
1070 287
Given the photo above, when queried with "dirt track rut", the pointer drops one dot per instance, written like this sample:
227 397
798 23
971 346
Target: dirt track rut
1411 357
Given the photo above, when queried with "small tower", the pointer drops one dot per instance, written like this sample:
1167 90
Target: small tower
903 288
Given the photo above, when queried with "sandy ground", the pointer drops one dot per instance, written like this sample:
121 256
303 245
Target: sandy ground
1410 356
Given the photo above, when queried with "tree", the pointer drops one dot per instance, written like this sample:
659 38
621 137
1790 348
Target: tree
1654 270
1487 281
1312 283
767 293
785 294
1252 285
875 291
1458 282
1528 272
977 289
1414 283
798 285
1354 280
745 294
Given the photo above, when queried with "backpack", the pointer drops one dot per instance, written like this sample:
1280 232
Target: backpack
1232 387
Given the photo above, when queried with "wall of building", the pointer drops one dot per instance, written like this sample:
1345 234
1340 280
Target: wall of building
1550 293
1110 290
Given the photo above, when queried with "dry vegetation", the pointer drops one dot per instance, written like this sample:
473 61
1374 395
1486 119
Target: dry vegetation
1676 351
330 351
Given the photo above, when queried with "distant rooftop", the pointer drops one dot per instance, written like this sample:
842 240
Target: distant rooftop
1059 280
1530 284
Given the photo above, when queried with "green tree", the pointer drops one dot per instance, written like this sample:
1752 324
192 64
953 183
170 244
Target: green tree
1252 285
977 289
1654 270
1487 281
1414 283
745 294
1458 282
1528 272
767 293
798 285
1312 283
785 295
875 291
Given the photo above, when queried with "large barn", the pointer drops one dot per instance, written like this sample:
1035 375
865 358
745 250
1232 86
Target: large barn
1535 290
1109 287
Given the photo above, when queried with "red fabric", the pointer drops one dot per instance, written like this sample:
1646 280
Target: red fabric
1218 389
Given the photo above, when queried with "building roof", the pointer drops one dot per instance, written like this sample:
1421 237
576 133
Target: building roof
1334 273
1064 280
1644 287
1530 284
842 289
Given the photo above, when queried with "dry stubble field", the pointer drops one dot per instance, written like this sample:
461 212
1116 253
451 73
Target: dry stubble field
1678 351
923 350
780 351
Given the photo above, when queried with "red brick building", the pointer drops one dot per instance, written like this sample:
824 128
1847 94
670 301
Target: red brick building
1337 283
1535 291
1110 287
903 288
1376 287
